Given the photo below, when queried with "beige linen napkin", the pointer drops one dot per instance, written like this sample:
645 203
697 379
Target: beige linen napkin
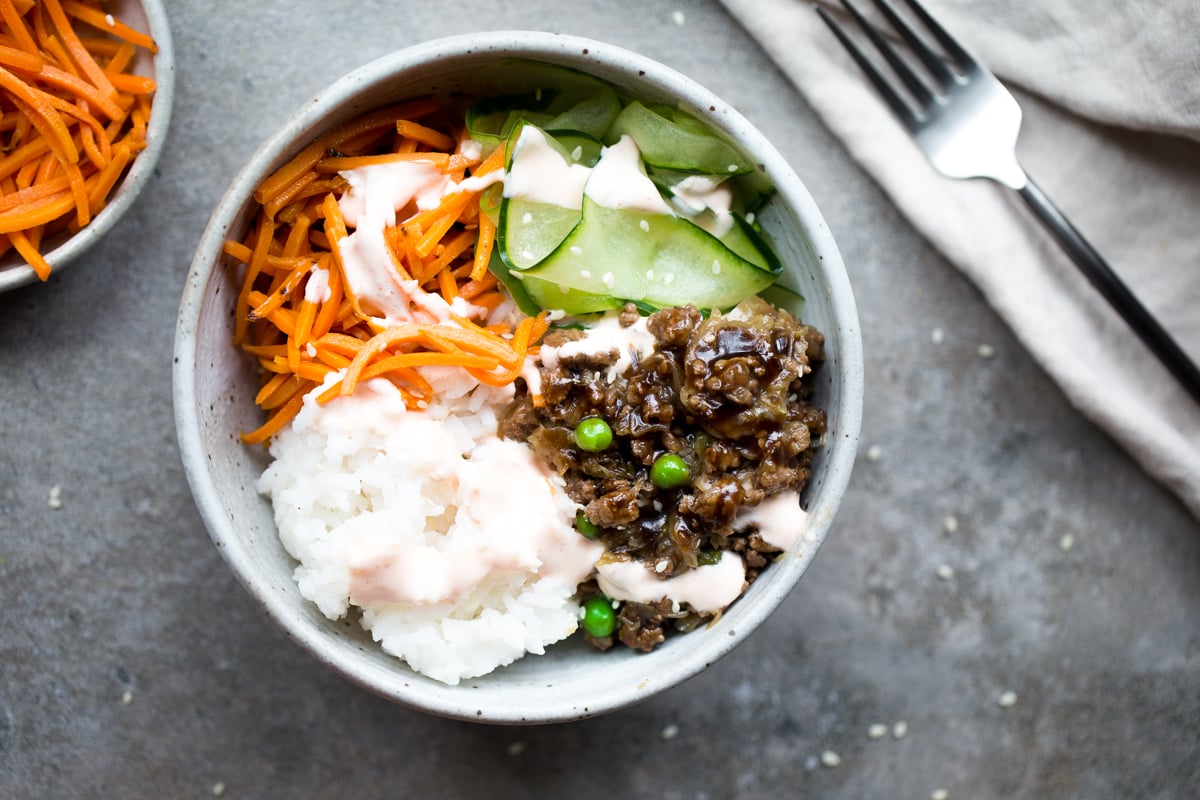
1110 91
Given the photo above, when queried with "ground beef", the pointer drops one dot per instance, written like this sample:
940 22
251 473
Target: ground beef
726 393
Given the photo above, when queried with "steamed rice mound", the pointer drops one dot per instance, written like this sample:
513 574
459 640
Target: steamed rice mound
422 519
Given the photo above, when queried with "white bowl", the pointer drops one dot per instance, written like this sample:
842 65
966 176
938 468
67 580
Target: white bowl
147 16
215 386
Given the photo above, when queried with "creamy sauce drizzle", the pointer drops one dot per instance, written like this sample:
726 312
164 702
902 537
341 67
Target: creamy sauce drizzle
779 518
606 336
706 588
706 201
540 174
617 181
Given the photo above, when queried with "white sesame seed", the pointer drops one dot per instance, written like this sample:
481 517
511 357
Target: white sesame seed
527 255
830 758
669 278
733 167
716 267
937 336
750 218
900 730
585 273
526 218
661 566
950 523
55 499
649 274
678 18
658 506
939 794
516 748
644 225
1007 699
670 732
607 279
576 250
1066 542
311 349
110 20
218 789
945 572
577 153
874 453
126 698
877 731
986 351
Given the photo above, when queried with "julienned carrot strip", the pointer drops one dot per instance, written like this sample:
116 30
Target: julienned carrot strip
273 425
106 22
427 136
338 163
30 253
87 64
483 247
254 266
15 23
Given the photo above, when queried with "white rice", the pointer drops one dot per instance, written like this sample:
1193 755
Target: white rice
363 472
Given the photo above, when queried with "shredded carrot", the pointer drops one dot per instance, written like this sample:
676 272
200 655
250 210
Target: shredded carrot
79 118
297 312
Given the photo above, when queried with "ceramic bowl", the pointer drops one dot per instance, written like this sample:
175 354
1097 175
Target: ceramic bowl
215 384
147 16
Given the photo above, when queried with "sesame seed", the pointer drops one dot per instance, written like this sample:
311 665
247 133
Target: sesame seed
678 18
670 732
585 273
716 267
900 730
950 523
311 349
576 250
945 572
658 506
1007 699
526 218
874 453
644 225
877 731
577 153
110 21
218 789
669 278
733 167
830 758
750 218
649 274
527 255
126 698
1066 542
607 279
986 351
937 336
939 794
661 566
55 499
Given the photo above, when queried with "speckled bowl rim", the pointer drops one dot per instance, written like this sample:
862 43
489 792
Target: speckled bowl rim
399 684
13 271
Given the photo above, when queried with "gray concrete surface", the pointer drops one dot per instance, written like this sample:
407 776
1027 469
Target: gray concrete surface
132 665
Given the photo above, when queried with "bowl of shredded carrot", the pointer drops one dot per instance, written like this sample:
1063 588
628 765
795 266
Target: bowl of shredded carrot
85 100
271 325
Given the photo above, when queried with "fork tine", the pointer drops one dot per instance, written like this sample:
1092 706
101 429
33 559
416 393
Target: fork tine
948 42
894 100
928 57
914 83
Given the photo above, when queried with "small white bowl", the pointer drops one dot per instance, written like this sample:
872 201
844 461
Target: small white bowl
215 386
147 16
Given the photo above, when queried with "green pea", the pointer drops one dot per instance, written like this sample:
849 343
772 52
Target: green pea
593 435
585 526
599 618
669 471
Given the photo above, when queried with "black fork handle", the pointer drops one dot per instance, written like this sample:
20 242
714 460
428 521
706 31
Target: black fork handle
1101 276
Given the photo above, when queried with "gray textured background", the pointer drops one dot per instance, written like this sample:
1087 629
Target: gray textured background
133 665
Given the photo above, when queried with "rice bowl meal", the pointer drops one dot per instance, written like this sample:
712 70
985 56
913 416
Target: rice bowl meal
532 376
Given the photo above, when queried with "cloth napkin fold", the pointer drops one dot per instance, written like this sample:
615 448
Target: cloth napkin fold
1110 91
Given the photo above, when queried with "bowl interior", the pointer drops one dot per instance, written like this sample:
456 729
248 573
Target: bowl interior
147 16
215 387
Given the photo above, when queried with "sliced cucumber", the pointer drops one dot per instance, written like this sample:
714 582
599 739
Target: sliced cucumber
529 230
659 259
672 140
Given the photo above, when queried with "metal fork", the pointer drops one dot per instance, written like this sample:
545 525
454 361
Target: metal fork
966 123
